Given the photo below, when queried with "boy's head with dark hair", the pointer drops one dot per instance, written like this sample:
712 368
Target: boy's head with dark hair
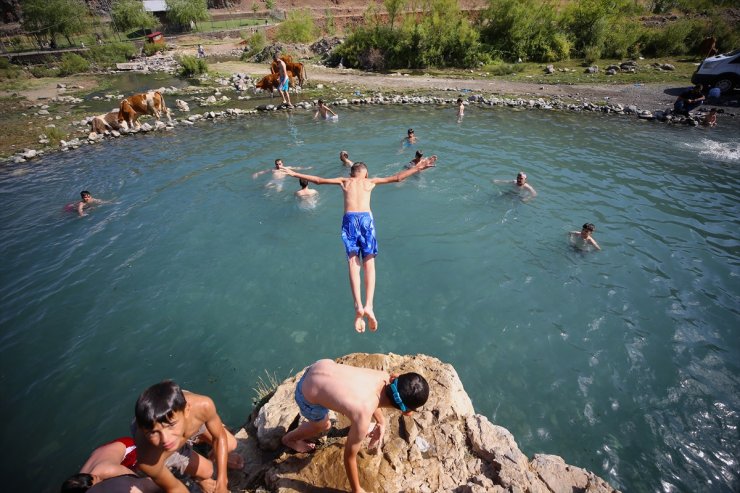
321 101
419 154
85 194
459 100
158 404
357 169
589 227
278 163
408 392
303 182
79 483
410 131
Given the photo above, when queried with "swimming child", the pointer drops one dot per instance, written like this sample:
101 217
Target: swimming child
278 174
324 111
86 199
415 161
116 458
168 422
410 137
344 157
358 230
360 394
583 237
521 185
460 108
710 120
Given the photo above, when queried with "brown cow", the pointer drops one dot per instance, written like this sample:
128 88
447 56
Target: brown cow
109 121
708 47
149 103
271 82
295 69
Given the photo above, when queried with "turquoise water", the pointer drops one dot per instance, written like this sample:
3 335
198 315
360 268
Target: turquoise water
623 361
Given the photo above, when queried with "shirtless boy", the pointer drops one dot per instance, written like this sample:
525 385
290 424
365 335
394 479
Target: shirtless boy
168 422
306 193
324 111
358 229
460 108
584 236
410 137
86 199
278 174
359 394
344 157
284 80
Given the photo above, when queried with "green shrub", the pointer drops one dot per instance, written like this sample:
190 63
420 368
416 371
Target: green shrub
54 135
72 63
674 39
152 48
297 28
623 39
41 71
191 66
107 55
270 4
591 54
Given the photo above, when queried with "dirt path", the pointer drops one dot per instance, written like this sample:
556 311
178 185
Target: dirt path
644 96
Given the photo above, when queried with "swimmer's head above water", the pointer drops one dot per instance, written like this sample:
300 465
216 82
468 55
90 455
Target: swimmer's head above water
278 163
419 154
521 177
85 195
588 227
357 170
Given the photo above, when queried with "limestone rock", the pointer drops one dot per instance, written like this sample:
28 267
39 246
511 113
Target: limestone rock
182 105
442 447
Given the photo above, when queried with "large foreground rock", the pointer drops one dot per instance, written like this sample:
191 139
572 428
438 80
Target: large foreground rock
444 447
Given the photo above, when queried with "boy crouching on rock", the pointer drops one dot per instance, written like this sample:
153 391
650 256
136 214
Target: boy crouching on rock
357 393
168 422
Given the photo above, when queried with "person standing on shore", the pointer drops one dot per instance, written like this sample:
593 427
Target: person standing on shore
284 81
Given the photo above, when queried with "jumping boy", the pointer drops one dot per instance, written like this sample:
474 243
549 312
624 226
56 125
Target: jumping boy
583 237
359 394
168 422
358 229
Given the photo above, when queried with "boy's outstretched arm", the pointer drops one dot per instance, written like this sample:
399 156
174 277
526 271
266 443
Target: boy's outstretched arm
427 162
313 179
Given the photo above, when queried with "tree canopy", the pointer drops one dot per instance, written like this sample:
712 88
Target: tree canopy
130 14
182 12
44 18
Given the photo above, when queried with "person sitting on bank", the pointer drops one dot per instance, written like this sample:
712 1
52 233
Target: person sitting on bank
689 100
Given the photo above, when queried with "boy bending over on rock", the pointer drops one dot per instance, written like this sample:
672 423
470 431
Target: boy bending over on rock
359 394
358 229
168 422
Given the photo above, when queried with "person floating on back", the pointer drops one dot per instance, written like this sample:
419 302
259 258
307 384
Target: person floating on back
583 238
360 394
86 200
324 111
168 422
358 230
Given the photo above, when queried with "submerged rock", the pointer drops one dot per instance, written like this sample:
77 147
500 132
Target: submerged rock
445 446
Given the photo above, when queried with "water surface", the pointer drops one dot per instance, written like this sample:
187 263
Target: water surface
623 361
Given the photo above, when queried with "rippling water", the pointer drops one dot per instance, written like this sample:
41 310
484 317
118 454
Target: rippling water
623 361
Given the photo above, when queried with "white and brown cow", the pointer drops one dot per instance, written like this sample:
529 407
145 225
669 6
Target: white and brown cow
108 121
149 103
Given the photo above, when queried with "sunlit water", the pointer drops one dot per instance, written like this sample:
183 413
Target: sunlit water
623 361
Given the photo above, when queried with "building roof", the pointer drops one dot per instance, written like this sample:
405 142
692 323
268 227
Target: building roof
155 5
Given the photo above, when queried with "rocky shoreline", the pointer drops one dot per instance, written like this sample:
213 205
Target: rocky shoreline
443 447
243 84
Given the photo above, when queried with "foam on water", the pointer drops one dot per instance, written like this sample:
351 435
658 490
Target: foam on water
721 151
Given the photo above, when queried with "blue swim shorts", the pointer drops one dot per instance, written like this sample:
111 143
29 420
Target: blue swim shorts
312 412
358 234
284 83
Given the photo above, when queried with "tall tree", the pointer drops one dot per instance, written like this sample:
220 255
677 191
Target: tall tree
183 12
130 14
49 18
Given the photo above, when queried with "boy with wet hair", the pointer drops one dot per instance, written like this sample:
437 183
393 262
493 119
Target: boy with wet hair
360 394
324 111
86 199
344 157
358 229
168 422
583 237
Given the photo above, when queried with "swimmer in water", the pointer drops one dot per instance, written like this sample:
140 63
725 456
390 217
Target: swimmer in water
583 237
278 174
710 120
324 111
410 137
521 185
460 109
415 161
306 195
344 157
86 200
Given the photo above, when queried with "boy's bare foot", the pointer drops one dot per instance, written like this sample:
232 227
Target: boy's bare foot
299 445
359 322
235 461
372 321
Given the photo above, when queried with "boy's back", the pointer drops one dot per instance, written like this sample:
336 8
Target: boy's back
357 192
354 392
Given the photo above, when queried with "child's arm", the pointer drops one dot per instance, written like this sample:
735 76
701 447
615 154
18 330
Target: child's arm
255 175
504 181
162 477
531 189
314 179
81 209
402 175
376 435
593 242
219 444
351 449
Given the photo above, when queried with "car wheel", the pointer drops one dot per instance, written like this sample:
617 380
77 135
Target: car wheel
725 84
